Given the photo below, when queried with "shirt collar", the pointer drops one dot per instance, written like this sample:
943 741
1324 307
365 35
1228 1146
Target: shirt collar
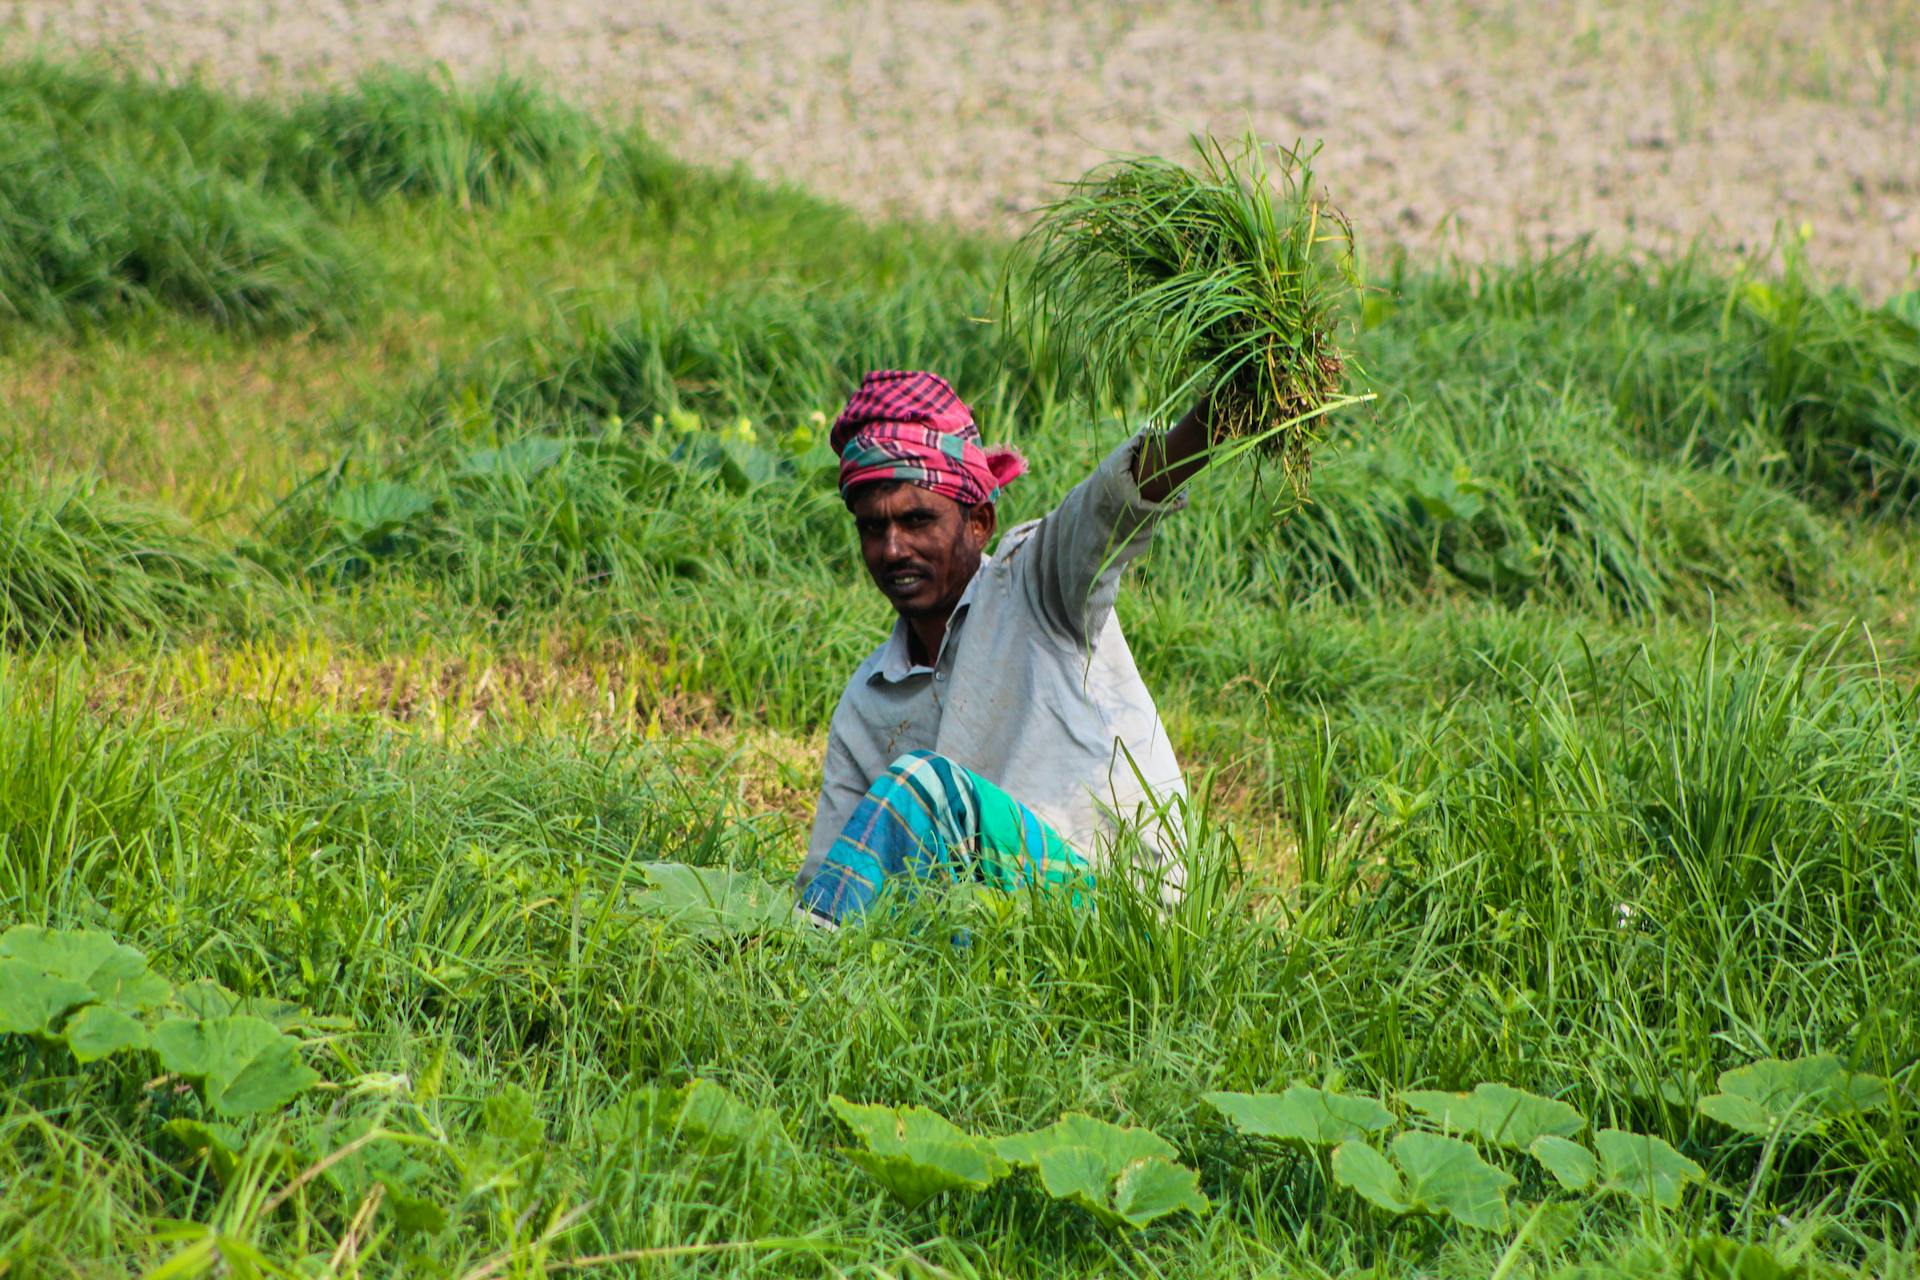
896 664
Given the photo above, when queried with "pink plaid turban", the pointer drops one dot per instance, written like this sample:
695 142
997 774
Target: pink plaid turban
913 427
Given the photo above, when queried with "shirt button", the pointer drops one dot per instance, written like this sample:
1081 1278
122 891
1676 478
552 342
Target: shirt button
939 675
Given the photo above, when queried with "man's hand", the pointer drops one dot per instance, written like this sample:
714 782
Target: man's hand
1164 463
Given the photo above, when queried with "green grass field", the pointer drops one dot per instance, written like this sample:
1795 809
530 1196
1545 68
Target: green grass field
414 531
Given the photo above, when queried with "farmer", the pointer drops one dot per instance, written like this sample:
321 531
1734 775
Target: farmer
1002 729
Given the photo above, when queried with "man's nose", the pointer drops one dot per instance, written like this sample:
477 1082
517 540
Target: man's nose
892 545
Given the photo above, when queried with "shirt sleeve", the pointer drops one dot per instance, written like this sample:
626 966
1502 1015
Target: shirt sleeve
1071 563
841 787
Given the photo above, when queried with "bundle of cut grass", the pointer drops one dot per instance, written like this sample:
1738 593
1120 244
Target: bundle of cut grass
1224 278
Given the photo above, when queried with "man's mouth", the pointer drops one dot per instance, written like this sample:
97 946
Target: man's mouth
902 582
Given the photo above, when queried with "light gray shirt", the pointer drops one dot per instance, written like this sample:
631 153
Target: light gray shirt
1033 688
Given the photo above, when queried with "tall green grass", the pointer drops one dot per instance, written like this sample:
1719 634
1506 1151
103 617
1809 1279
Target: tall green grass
91 233
1606 902
77 561
119 196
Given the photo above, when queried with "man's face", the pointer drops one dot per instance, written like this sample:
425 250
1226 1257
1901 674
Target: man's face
922 548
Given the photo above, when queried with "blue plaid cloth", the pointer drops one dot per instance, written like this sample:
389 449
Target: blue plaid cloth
927 818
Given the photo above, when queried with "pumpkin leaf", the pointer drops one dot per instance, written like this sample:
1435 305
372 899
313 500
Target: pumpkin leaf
1155 1187
1317 1117
1429 1173
243 1064
1718 1258
217 1144
1798 1096
1370 1175
1499 1113
701 1117
32 1000
714 900
521 459
916 1153
116 975
1123 1176
1447 1176
372 512
1571 1164
1644 1167
99 1030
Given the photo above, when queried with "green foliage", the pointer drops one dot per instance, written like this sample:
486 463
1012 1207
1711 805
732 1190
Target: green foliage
1196 281
243 1064
1804 1095
93 230
1718 1258
1572 1165
1317 1117
402 133
1123 1176
1644 1167
1429 1173
1498 1113
76 560
916 1153
711 900
91 993
701 1139
78 987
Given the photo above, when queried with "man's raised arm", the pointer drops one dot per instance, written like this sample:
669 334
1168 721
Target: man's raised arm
1163 464
1074 558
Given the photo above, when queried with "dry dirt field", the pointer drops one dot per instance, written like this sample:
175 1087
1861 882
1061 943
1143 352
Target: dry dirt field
1467 127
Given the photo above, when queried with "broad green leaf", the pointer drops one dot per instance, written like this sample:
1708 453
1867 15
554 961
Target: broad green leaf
1446 1175
205 998
916 1153
1367 1173
521 459
511 1120
1155 1187
1718 1258
713 1118
1802 1095
1571 1164
244 1065
117 975
1644 1167
1429 1174
713 900
32 1000
378 509
1318 1117
1501 1114
1123 1176
98 1031
1117 1145
1749 1116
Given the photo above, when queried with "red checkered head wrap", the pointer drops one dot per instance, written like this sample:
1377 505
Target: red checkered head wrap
912 427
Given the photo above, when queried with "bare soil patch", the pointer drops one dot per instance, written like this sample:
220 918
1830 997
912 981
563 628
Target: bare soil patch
1464 127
